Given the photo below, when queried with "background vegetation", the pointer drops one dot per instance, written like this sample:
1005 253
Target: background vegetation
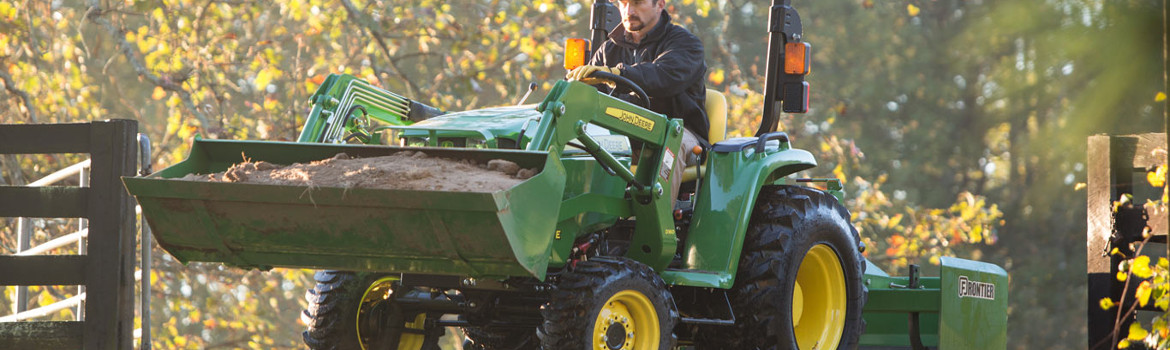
959 126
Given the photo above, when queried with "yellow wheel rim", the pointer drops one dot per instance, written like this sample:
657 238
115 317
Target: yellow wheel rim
818 306
381 290
627 321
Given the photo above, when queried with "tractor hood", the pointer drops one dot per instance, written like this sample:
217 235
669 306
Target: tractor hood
494 127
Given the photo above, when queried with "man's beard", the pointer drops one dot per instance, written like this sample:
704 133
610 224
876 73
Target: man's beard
633 27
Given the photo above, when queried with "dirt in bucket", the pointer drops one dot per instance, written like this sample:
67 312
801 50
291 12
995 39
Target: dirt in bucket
400 171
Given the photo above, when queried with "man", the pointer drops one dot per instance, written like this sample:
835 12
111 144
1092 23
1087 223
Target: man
664 59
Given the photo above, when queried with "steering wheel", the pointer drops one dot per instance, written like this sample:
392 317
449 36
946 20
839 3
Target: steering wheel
627 83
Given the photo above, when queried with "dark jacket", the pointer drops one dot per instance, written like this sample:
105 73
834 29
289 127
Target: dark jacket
668 65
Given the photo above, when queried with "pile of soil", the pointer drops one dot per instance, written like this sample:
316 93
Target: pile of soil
400 171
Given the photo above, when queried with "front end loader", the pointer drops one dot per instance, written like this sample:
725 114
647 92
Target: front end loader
595 251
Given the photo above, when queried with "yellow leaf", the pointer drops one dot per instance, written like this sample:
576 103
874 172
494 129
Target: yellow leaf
894 221
265 76
1161 96
1122 276
1136 332
839 173
1106 303
1123 344
46 300
716 77
1143 293
1141 267
6 10
913 10
1157 178
159 93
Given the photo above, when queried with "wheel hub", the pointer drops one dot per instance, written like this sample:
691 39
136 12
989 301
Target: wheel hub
818 305
627 321
615 336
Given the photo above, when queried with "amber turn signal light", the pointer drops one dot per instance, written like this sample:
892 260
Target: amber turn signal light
796 58
576 52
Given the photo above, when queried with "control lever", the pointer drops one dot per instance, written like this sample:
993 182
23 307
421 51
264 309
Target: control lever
531 88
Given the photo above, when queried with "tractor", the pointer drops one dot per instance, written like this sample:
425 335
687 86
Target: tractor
596 251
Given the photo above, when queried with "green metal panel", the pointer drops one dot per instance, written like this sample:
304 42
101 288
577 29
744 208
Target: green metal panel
974 305
353 229
593 200
891 329
731 183
947 320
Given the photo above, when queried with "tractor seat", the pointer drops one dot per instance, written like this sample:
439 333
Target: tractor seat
717 118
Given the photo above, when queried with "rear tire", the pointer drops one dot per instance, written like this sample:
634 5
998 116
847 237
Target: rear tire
801 260
351 311
609 303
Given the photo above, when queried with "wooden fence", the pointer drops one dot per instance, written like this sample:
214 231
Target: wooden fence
1118 166
106 270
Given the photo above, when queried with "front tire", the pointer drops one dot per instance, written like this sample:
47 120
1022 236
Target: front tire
799 283
609 303
354 311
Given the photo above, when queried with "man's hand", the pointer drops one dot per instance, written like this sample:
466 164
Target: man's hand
583 73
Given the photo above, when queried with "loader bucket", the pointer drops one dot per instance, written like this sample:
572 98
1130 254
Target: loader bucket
478 234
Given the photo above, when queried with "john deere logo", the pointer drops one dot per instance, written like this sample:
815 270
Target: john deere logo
630 118
975 289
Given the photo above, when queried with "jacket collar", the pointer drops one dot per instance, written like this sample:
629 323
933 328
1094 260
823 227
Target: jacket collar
621 37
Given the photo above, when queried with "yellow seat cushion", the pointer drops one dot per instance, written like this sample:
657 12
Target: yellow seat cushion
716 116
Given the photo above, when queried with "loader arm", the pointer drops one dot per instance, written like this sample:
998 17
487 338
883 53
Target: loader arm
570 107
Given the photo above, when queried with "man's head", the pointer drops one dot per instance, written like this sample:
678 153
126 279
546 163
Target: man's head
640 16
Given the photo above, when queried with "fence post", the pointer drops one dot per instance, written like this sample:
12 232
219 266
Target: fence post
110 275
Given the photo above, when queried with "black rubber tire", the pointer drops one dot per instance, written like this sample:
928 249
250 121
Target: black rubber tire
333 306
580 294
489 338
788 221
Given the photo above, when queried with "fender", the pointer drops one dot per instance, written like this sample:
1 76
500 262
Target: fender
723 207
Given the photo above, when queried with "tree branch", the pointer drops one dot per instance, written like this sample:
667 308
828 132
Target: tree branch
95 13
412 89
11 87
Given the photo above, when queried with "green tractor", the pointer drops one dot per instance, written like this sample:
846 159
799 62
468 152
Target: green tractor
595 251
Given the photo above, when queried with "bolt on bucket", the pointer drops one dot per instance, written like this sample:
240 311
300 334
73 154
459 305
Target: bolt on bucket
479 234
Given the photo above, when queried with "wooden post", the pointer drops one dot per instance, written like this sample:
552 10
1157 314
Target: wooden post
109 311
1101 268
